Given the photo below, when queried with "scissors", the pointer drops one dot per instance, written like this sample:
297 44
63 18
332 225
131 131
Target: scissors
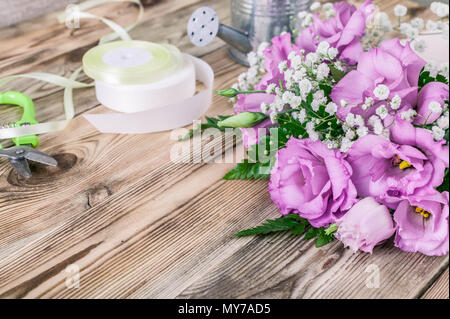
24 149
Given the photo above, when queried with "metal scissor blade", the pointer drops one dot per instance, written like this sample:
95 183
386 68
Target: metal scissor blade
21 166
36 156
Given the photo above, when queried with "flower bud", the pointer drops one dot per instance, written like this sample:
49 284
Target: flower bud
243 120
228 93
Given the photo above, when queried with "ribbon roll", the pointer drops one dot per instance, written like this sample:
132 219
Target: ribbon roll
167 117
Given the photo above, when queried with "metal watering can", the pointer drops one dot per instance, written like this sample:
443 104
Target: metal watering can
253 22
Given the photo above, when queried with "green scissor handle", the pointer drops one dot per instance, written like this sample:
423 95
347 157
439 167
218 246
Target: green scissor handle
28 117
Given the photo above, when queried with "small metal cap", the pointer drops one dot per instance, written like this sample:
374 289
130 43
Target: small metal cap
203 26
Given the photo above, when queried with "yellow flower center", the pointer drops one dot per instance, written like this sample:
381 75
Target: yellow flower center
425 214
397 161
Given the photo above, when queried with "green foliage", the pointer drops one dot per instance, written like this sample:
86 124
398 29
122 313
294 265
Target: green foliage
210 123
446 184
249 170
292 223
336 74
425 78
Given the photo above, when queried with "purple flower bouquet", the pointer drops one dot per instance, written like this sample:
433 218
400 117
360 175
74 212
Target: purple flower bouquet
352 129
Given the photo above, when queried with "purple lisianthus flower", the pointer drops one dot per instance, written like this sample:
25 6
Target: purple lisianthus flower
389 171
436 92
252 103
273 56
366 225
313 181
422 224
343 31
393 65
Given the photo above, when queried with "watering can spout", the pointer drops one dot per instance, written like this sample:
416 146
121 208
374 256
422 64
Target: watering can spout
235 38
204 26
262 19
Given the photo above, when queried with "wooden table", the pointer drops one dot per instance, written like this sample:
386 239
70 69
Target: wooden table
137 225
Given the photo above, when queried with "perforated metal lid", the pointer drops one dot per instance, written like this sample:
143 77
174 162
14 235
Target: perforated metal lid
203 26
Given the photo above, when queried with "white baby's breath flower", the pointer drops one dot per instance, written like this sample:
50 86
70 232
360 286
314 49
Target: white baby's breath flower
332 53
368 102
412 33
312 58
343 103
305 86
270 88
408 115
262 47
331 108
404 27
431 25
396 102
302 14
273 117
443 68
435 107
265 107
440 9
378 128
306 20
350 119
282 66
346 144
287 97
359 121
302 116
438 133
443 122
420 46
315 6
418 23
381 19
350 134
327 6
323 71
382 112
322 48
330 13
296 62
400 10
362 131
252 58
381 92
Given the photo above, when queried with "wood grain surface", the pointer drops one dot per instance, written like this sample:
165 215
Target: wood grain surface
139 226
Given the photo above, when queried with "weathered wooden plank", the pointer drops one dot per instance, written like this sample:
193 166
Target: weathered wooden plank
439 289
35 45
156 229
88 161
12 12
285 267
164 29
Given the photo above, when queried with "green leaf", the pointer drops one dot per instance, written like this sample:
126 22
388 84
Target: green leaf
274 225
311 233
441 78
247 170
336 74
299 229
323 239
445 185
210 123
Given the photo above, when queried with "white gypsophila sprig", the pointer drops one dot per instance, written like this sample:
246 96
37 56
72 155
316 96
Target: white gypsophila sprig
248 80
400 10
381 92
440 9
